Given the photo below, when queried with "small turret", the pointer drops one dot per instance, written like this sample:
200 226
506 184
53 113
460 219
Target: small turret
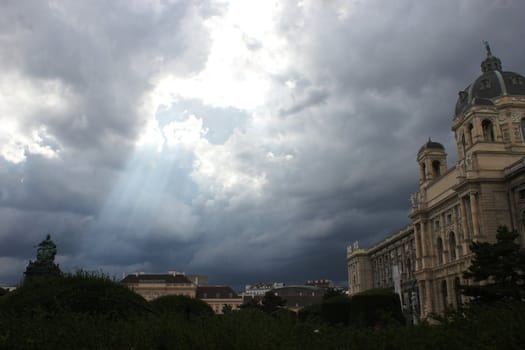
432 161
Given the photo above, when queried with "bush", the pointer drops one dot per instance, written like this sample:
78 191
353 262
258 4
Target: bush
181 305
374 308
83 292
336 310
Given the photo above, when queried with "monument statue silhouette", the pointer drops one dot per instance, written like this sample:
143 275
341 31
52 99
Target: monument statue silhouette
45 260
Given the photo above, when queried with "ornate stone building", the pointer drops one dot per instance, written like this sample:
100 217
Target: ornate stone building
485 189
390 262
481 192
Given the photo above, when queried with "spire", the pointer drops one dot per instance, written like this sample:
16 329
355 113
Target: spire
491 63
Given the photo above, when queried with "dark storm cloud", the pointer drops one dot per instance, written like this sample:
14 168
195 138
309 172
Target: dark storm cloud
333 149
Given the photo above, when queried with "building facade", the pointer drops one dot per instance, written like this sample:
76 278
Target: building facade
389 264
466 202
481 192
297 297
152 286
219 298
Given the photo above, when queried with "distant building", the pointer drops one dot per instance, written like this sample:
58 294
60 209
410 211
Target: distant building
219 297
151 286
8 288
198 280
297 297
260 288
325 284
388 264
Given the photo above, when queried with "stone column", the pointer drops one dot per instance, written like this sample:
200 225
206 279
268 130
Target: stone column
422 298
475 216
429 305
464 225
424 246
450 293
417 240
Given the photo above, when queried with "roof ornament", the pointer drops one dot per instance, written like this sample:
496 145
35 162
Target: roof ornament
491 63
487 47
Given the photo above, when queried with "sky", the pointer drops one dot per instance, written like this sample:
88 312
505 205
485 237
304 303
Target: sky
244 140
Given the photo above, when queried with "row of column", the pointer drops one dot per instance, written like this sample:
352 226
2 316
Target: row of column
425 252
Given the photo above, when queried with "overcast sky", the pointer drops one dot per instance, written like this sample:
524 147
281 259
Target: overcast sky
244 140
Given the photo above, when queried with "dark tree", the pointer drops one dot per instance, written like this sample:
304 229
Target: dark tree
272 302
251 303
333 292
498 268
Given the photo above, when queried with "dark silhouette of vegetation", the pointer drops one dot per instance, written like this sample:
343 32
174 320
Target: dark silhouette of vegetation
333 292
91 311
272 302
250 303
500 266
185 306
81 293
83 317
2 291
375 307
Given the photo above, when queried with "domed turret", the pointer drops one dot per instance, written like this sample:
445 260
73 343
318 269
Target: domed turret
493 83
432 161
430 145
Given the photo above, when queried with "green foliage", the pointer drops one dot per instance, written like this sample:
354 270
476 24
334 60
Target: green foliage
336 310
500 266
68 323
375 307
226 308
83 292
311 313
182 305
271 302
250 303
332 292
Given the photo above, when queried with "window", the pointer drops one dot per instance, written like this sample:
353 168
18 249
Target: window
452 245
436 168
485 84
488 130
516 80
440 250
470 129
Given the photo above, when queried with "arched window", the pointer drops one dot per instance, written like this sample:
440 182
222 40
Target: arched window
488 130
436 171
444 294
423 171
440 250
470 129
452 245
